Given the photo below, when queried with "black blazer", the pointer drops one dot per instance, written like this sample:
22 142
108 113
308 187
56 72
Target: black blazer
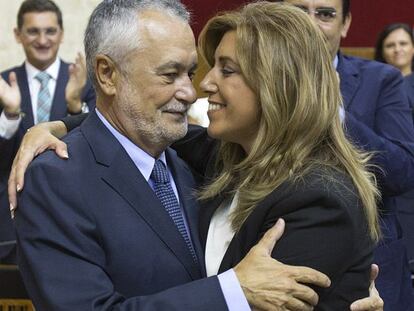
325 225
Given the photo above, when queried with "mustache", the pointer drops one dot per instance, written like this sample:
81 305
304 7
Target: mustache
175 107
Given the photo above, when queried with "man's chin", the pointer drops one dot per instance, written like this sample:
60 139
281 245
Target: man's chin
172 134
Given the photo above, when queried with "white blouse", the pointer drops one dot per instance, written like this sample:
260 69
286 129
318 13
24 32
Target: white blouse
220 234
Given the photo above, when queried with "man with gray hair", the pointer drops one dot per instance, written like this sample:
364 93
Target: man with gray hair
114 227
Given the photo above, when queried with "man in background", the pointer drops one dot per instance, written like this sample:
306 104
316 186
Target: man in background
48 87
378 119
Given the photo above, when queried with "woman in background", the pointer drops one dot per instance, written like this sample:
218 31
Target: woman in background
395 46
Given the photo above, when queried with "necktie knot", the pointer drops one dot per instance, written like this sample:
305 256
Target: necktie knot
43 77
159 173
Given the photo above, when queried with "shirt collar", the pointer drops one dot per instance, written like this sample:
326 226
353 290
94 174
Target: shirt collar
52 70
142 160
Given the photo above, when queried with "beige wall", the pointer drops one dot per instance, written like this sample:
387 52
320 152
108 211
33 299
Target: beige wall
75 17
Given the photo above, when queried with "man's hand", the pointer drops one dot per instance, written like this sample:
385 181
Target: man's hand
10 96
374 301
76 83
37 139
271 285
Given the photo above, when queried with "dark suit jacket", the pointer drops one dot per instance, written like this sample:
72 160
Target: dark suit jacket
409 88
92 235
405 202
325 225
378 118
9 147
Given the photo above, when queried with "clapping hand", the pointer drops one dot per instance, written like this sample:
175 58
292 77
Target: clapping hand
76 83
10 98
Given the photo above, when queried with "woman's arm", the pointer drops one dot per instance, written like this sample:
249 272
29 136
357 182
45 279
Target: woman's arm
197 149
41 137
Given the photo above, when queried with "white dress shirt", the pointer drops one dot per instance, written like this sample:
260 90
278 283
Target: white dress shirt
220 234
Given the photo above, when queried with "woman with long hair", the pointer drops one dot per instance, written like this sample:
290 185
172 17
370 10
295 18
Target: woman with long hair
277 148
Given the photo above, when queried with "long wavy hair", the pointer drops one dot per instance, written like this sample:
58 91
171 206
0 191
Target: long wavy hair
284 59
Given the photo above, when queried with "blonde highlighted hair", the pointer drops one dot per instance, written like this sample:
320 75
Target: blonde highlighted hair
285 60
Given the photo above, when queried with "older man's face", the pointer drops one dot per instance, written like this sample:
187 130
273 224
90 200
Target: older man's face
156 91
332 25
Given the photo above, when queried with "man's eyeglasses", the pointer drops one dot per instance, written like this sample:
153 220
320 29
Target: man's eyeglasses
323 14
36 32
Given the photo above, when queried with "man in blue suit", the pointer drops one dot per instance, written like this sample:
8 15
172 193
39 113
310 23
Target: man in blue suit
65 91
114 227
378 119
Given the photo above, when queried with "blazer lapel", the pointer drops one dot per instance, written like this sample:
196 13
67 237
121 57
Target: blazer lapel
59 108
28 120
350 80
207 210
123 177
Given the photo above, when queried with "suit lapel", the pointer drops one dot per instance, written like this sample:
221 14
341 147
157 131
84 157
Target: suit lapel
124 178
350 80
59 108
206 213
28 120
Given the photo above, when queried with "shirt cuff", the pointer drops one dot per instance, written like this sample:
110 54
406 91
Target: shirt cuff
8 127
233 294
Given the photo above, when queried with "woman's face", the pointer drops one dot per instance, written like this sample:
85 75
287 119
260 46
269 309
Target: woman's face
398 49
233 110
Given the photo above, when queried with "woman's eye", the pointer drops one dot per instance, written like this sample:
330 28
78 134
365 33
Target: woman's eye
226 71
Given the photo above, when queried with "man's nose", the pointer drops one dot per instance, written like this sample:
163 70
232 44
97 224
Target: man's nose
187 92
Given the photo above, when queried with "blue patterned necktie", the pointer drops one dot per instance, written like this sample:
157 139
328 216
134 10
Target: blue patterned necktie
165 193
44 100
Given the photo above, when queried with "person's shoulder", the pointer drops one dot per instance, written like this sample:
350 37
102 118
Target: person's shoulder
64 64
370 66
326 178
52 164
321 184
5 73
409 79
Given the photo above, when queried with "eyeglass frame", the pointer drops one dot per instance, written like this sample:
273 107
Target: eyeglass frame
318 13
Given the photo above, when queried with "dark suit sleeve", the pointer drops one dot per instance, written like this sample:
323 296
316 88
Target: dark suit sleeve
197 149
72 122
63 259
323 233
392 135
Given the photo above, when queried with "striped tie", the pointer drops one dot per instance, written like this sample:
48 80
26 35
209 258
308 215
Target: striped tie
44 101
165 193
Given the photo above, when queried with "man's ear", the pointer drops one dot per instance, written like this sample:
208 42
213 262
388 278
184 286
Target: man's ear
17 35
347 24
107 74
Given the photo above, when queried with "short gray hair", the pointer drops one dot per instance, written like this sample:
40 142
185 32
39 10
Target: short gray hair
113 29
